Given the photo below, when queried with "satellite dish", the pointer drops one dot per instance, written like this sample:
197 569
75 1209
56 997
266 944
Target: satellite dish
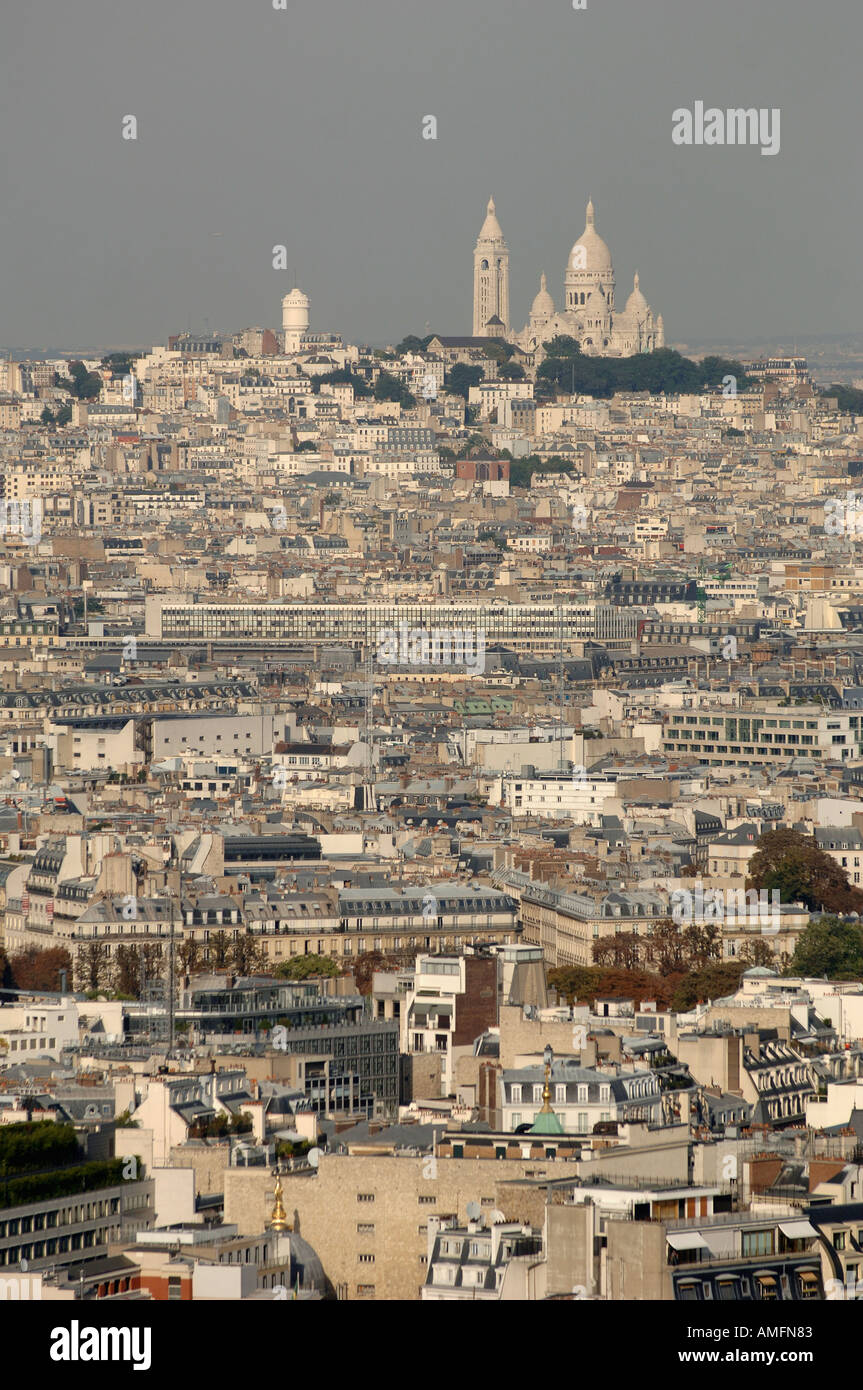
474 1211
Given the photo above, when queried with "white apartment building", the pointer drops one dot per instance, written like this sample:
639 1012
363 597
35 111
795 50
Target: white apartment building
563 797
767 734
245 735
31 1030
581 1097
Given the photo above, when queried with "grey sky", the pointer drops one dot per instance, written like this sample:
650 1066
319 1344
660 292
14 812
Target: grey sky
303 127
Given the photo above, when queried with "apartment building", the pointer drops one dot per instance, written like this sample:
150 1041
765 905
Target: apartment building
582 1097
522 627
762 735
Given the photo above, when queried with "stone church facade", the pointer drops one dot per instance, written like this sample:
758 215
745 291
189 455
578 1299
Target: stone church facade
588 312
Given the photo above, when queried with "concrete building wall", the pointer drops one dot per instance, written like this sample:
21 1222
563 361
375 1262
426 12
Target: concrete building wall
522 1037
635 1265
395 1196
569 1243
174 1196
208 1161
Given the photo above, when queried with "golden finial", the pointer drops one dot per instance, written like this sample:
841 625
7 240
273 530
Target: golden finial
546 1090
279 1218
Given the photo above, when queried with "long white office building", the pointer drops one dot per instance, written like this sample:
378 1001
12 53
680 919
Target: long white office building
528 627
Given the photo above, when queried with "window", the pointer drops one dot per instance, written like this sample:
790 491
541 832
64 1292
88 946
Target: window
366 1259
808 1284
515 1094
757 1243
427 1201
364 1229
839 1240
365 1196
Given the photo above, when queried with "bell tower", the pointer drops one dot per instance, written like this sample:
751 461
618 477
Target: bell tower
490 279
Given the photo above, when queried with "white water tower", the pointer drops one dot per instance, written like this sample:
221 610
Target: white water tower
295 318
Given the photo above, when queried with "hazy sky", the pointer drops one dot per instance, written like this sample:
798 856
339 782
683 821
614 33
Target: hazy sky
304 127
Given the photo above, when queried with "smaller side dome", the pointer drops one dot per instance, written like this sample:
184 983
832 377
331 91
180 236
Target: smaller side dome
636 303
543 304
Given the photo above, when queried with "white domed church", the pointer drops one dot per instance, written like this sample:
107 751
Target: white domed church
588 311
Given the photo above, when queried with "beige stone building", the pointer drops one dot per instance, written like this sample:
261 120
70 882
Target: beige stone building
367 1217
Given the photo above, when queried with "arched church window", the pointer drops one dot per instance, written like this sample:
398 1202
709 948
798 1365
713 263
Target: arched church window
483 265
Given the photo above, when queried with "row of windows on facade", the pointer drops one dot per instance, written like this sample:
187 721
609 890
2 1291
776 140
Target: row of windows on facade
423 1201
582 1124
89 1211
517 1093
23 1044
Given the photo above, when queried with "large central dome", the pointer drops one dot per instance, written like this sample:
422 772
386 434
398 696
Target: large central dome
596 255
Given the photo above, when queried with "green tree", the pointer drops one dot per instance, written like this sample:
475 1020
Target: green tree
84 385
47 417
522 470
664 370
413 344
849 398
120 363
562 346
830 947
511 371
389 388
714 369
343 376
793 865
308 968
64 415
462 376
498 349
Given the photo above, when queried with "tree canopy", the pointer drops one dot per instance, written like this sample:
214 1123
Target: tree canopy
413 344
849 398
343 376
389 388
522 470
35 969
793 865
308 968
830 947
84 385
462 376
661 371
511 371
